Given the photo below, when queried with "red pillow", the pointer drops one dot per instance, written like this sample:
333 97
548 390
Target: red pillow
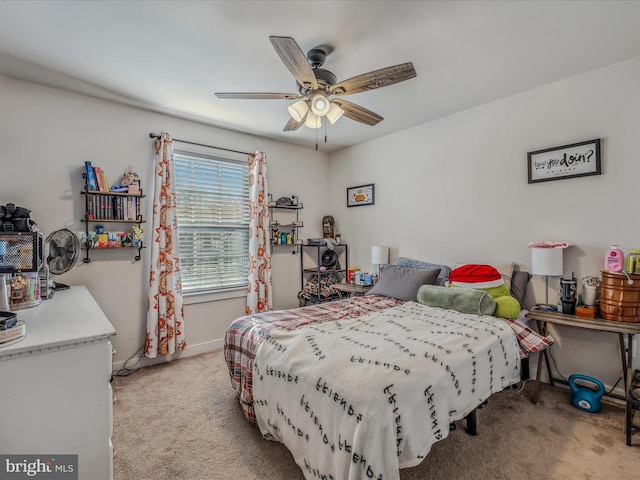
476 276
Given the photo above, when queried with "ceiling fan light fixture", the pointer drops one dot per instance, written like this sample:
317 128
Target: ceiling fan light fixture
298 110
335 112
320 105
312 121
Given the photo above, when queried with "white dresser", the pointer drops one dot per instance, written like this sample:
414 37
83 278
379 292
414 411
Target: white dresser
55 394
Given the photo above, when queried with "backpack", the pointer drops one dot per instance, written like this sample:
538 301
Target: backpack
16 219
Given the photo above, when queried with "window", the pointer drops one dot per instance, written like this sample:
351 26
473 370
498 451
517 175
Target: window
212 196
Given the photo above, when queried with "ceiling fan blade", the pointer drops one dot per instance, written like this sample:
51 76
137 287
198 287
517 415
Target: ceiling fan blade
376 79
358 113
265 96
293 125
295 60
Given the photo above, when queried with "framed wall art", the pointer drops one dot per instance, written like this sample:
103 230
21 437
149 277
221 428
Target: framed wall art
361 195
568 161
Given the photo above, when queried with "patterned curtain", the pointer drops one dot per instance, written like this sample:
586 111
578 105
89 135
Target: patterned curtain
259 296
165 317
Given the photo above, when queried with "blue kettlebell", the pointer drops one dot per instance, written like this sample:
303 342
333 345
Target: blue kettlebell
586 399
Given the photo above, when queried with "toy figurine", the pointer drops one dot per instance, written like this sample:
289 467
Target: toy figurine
130 178
137 234
327 226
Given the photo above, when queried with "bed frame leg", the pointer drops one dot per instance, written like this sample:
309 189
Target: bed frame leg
472 425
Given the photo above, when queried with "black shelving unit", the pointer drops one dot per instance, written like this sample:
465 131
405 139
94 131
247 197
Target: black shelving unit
307 271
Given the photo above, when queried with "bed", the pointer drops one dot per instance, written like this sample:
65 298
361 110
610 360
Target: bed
362 387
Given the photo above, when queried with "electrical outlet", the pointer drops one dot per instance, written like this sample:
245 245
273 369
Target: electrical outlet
634 346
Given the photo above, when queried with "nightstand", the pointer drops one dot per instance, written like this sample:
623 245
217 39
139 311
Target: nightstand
346 290
621 329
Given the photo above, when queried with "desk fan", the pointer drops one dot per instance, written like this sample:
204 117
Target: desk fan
61 250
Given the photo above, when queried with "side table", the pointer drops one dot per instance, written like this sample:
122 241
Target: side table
543 318
346 290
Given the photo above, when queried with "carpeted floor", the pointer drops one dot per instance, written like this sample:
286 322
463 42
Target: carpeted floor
181 420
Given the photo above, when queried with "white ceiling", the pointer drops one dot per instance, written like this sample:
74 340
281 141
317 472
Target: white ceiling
171 56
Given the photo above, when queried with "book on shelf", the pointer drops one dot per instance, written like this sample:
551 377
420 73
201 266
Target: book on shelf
109 209
99 179
91 207
104 181
91 176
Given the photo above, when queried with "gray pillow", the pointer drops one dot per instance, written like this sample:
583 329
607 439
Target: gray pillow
402 282
443 276
519 282
464 300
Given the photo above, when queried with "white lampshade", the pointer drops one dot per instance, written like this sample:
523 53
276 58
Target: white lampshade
298 110
320 105
379 255
313 121
335 112
546 261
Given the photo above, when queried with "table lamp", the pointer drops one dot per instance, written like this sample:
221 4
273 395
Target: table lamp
379 256
546 261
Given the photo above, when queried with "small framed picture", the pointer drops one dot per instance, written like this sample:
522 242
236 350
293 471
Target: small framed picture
361 195
569 161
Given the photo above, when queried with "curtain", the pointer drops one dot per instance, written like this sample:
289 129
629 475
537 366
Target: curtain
165 317
259 295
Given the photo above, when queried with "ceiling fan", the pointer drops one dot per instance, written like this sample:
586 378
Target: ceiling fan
316 85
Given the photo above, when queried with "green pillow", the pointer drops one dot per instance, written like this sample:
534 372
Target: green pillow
507 307
464 300
499 291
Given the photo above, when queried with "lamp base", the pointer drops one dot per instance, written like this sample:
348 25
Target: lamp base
545 307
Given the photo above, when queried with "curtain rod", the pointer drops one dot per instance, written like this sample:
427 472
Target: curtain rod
153 135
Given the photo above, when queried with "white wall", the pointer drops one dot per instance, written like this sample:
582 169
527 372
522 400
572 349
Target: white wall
455 190
449 191
47 134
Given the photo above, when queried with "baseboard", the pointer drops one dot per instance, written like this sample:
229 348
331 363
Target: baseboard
189 351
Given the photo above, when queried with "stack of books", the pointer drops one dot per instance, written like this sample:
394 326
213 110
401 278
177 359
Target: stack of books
113 207
96 178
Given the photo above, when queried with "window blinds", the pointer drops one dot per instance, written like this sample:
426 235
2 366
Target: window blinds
213 221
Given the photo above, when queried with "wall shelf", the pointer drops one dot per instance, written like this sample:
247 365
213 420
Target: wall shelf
289 227
111 208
